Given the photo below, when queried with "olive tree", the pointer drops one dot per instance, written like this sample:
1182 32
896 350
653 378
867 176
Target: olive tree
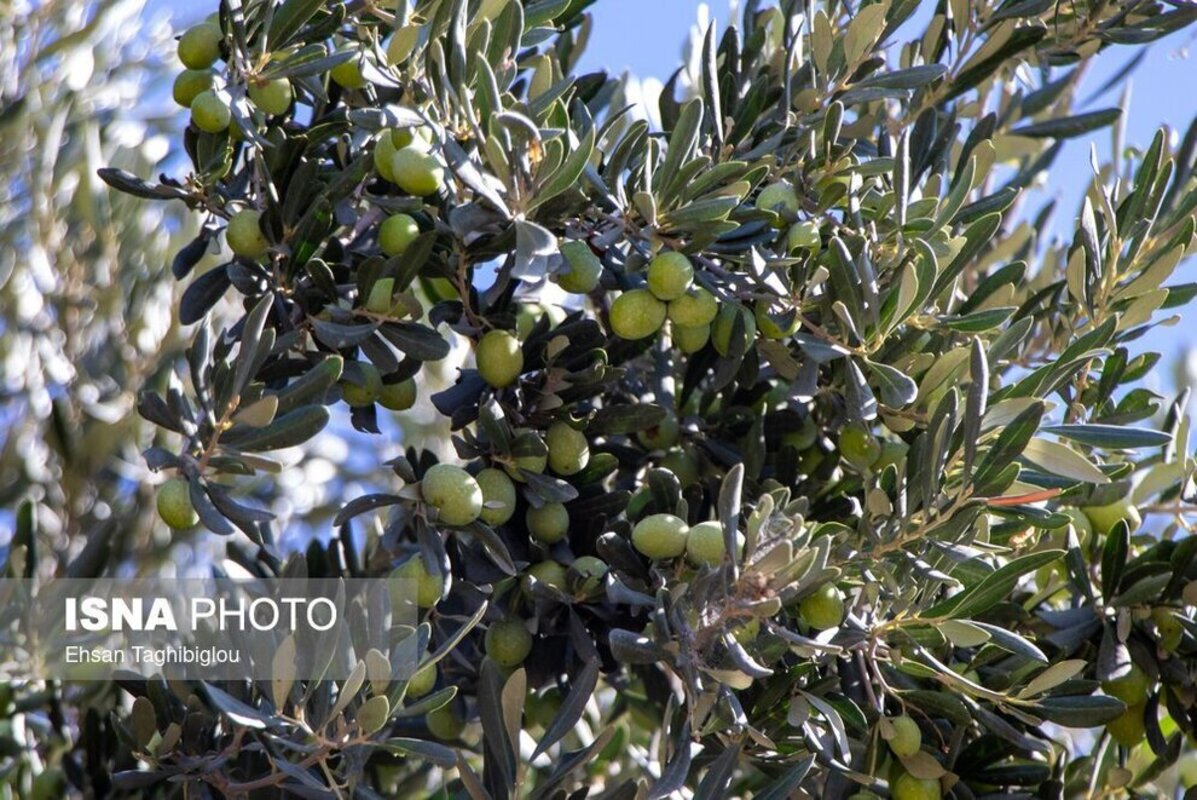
778 451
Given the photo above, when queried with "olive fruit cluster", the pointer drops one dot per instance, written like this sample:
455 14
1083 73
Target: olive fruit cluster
664 536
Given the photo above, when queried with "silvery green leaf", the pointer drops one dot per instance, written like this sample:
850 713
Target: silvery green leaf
534 247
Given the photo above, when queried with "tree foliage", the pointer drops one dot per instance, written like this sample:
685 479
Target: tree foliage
844 440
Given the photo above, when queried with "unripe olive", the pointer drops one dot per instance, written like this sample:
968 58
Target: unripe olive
725 325
396 234
704 544
499 358
590 571
348 74
174 504
582 268
272 96
453 492
1131 688
908 787
528 453
429 586
416 172
199 46
498 496
189 83
858 446
805 236
682 465
669 275
907 739
660 536
637 314
362 387
384 151
1129 728
1170 629
823 608
508 642
569 450
550 573
769 324
779 197
398 396
1104 518
549 523
690 339
694 308
210 113
244 234
663 435
444 723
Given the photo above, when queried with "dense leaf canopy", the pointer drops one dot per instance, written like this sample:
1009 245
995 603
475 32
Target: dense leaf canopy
765 441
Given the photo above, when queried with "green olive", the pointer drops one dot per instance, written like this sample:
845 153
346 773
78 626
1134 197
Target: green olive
361 387
272 96
199 46
908 787
498 496
670 275
781 198
858 446
398 396
244 234
348 74
690 339
499 358
1104 518
508 642
549 523
663 435
660 536
804 236
210 113
637 314
1131 688
682 465
190 83
453 492
695 308
1129 728
582 268
704 544
1170 629
907 739
550 573
174 504
416 172
725 326
429 586
569 450
823 608
397 233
